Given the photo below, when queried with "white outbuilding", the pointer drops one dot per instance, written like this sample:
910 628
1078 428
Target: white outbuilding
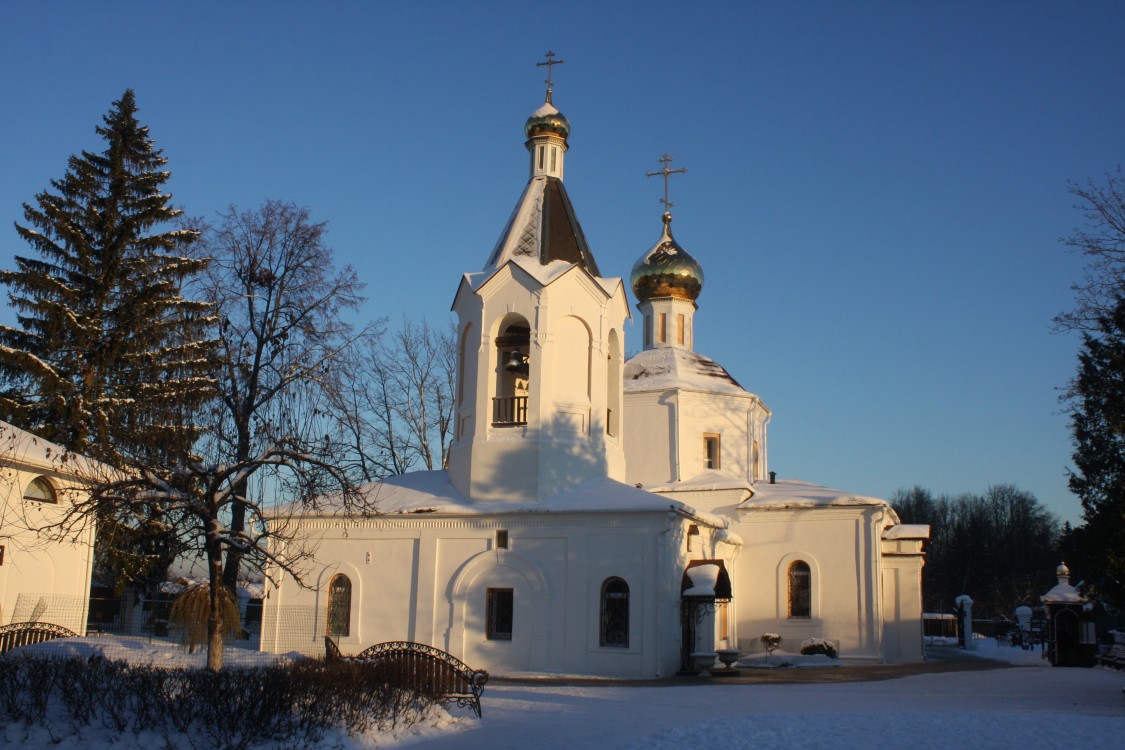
599 516
41 578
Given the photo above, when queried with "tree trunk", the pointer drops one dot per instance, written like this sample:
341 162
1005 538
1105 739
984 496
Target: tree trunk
215 616
237 514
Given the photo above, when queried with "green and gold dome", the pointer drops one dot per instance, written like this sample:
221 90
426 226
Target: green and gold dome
667 270
547 119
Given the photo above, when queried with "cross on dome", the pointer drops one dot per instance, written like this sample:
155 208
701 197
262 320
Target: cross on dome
666 160
551 62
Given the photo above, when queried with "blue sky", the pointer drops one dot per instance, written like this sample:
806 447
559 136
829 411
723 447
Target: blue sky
876 191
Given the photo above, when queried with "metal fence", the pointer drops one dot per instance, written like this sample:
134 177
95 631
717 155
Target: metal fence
120 626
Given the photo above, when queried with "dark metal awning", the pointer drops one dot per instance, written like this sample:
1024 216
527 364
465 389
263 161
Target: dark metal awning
701 583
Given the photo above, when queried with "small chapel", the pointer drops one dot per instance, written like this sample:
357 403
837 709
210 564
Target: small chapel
600 515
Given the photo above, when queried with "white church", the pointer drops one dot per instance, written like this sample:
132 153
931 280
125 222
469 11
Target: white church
600 516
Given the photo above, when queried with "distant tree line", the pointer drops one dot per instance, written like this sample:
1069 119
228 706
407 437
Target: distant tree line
999 547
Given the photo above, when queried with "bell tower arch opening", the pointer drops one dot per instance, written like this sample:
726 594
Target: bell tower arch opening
512 372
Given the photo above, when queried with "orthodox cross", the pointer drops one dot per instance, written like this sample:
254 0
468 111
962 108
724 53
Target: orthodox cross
551 61
666 160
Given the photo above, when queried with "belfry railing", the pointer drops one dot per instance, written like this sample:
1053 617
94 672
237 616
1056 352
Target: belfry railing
509 411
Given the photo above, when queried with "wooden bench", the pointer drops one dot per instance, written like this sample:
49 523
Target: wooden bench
1115 657
28 633
426 669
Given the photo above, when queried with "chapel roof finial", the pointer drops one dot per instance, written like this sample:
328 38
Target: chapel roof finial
551 62
665 172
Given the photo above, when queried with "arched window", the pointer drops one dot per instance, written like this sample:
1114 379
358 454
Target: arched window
41 491
339 606
615 613
800 590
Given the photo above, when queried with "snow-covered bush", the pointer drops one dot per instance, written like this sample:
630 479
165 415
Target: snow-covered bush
771 641
813 646
296 704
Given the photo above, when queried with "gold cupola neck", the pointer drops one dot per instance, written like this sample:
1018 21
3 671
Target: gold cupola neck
547 130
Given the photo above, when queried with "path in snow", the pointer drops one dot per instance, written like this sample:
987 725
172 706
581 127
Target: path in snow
1025 707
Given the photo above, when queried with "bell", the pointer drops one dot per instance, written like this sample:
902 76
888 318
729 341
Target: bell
517 362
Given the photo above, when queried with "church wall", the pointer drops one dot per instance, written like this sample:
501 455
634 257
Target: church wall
429 580
708 413
902 563
650 456
665 434
838 544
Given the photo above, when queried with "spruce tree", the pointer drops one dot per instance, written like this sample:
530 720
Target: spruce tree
1098 427
108 359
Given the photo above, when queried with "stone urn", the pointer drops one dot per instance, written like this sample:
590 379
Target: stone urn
728 656
703 661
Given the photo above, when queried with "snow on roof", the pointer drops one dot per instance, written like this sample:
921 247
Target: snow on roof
542 227
546 108
908 531
707 480
793 493
22 447
703 580
429 492
1063 593
660 369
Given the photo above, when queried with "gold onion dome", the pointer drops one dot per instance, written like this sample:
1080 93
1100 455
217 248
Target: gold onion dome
547 119
667 270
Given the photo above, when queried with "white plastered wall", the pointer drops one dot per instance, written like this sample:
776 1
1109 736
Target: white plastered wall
429 578
38 573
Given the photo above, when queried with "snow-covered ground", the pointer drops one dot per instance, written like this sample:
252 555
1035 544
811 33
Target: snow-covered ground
1028 706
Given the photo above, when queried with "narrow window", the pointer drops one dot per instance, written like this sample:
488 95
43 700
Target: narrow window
754 472
648 331
615 614
540 157
680 330
554 153
800 590
662 328
711 451
499 614
501 539
40 491
722 617
340 606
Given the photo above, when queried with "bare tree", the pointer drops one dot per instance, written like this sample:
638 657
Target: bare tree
1103 243
280 303
193 501
402 398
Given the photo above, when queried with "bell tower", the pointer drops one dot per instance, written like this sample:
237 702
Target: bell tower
540 345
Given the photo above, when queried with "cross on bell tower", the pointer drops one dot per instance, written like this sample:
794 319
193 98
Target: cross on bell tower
550 63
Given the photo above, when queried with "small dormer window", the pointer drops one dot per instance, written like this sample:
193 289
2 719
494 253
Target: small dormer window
40 491
711 451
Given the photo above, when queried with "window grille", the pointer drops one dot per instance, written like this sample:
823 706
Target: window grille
615 613
499 615
339 606
800 590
